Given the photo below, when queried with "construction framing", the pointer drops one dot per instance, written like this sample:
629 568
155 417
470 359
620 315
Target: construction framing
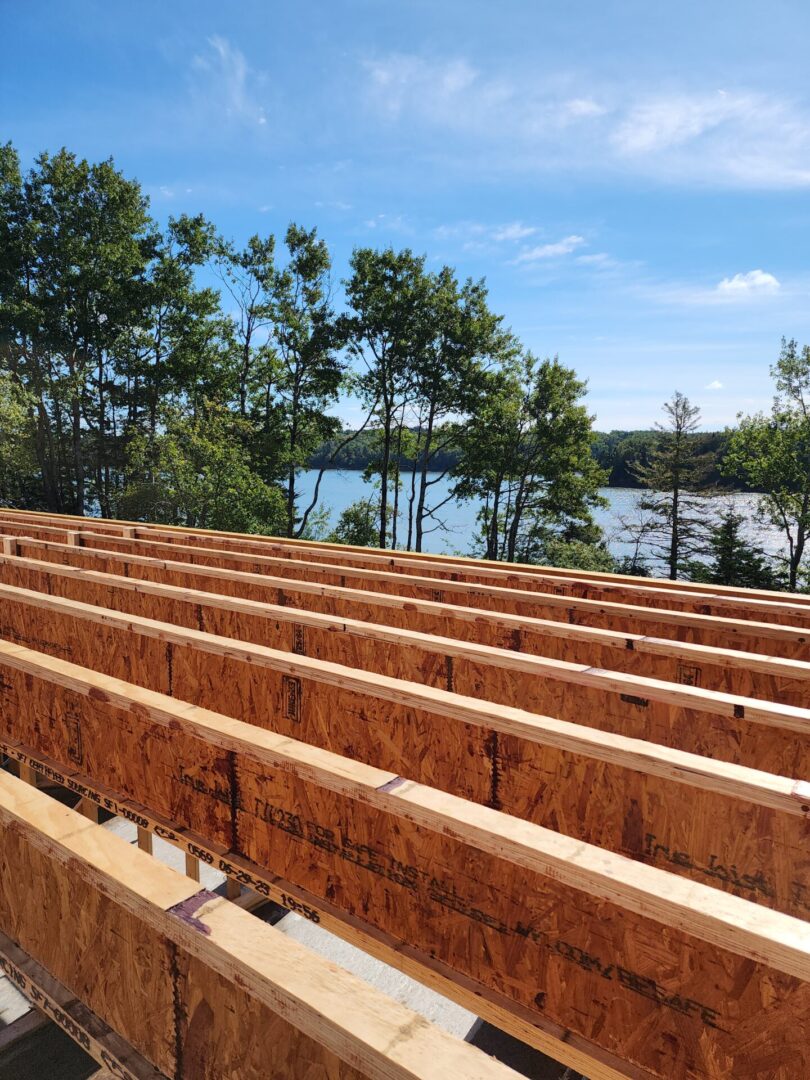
577 805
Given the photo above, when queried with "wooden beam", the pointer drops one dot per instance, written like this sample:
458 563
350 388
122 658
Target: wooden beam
562 1045
300 693
704 629
214 992
482 892
744 673
421 562
616 613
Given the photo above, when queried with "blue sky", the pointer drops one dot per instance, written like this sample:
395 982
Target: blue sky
631 178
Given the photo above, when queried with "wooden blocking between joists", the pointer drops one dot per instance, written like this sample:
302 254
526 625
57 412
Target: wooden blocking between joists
215 992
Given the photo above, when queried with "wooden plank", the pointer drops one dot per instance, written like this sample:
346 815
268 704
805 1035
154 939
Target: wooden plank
422 562
214 992
299 694
561 688
677 977
627 618
54 1003
731 671
564 1046
776 608
554 604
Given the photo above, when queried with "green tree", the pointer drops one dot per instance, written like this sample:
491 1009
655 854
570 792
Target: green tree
249 276
462 339
733 560
771 454
200 477
357 525
675 477
385 328
526 453
80 239
310 370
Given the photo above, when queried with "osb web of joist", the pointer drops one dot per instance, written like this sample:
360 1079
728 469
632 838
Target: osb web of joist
743 832
517 909
196 985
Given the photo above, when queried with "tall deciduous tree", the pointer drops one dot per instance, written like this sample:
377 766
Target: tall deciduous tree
387 294
526 453
310 369
462 339
248 276
771 453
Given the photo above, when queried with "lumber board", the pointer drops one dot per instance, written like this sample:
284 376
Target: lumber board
56 1004
198 986
777 608
729 671
421 562
707 624
626 618
677 977
298 693
560 1044
500 675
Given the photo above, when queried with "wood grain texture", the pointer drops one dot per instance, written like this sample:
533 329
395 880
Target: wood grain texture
623 793
198 985
729 671
563 1045
623 617
58 1005
418 562
587 939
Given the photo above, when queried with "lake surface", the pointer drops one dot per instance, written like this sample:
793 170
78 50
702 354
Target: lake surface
339 489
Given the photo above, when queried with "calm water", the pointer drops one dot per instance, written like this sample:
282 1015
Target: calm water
340 489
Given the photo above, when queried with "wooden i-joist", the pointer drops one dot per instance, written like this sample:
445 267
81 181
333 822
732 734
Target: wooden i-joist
576 804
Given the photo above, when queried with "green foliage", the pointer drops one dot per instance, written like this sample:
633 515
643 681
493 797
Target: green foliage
673 516
733 560
771 453
195 473
20 484
358 524
578 555
526 453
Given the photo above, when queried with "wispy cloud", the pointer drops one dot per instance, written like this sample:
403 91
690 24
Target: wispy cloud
715 384
686 135
228 84
481 236
550 251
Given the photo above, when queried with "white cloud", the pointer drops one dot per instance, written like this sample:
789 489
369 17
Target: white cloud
754 282
228 83
551 251
753 287
515 230
513 121
715 384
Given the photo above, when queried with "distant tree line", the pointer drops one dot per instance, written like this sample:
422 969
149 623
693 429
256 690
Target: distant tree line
161 372
618 453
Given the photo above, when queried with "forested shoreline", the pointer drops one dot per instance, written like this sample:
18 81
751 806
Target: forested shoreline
159 371
616 452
